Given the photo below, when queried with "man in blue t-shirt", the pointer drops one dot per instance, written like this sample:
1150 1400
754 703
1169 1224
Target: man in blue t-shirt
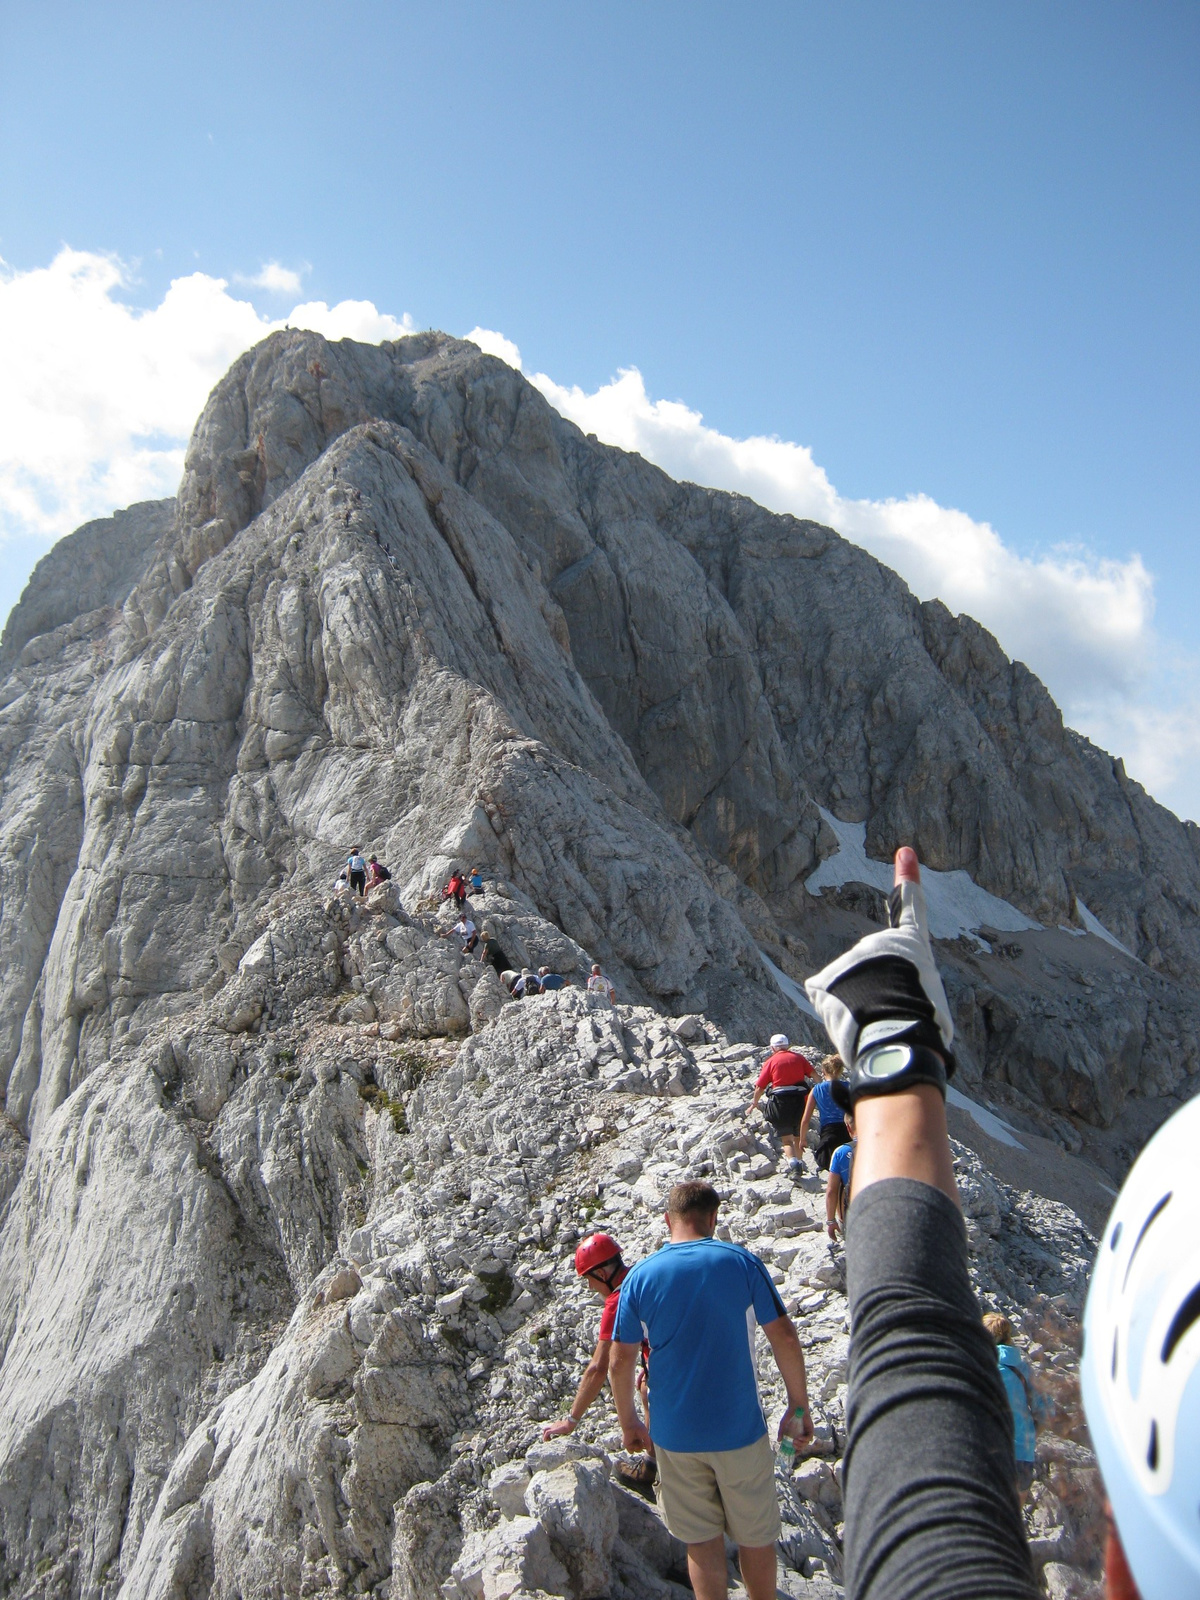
696 1302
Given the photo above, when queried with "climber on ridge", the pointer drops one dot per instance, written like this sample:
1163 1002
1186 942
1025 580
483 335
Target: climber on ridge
599 991
1028 1406
377 873
599 1263
830 1115
356 866
465 930
456 888
837 1189
697 1301
785 1079
550 981
490 951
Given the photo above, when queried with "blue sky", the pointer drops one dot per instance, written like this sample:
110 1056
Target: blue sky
950 250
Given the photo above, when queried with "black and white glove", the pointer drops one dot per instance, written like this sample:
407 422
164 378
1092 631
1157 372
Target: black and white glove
884 1007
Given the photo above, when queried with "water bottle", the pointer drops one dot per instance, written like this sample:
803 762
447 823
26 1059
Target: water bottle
787 1445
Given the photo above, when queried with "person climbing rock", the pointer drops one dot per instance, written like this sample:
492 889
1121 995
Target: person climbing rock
830 1116
465 930
356 866
527 985
599 1262
476 880
1027 1405
490 951
599 991
456 888
551 980
696 1302
837 1184
377 873
785 1080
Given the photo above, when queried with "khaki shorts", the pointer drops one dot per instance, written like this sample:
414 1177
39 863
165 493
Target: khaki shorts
706 1493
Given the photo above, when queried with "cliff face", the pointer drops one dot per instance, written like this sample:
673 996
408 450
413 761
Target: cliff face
401 603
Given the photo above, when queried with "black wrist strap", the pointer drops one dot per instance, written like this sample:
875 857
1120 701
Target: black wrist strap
888 1068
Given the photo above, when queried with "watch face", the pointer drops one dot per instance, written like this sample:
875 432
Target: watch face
885 1062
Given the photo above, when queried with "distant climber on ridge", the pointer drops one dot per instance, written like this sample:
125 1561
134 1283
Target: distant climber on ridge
785 1079
456 888
599 1263
837 1189
830 1115
356 866
551 980
465 930
1027 1405
599 991
377 873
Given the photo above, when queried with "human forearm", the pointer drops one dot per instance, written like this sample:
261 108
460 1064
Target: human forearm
590 1386
622 1369
903 1135
789 1358
931 1508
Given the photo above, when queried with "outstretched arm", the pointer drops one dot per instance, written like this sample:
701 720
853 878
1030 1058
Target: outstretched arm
805 1120
931 1504
590 1386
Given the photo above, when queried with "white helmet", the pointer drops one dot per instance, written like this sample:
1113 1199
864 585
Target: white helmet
1140 1371
779 1041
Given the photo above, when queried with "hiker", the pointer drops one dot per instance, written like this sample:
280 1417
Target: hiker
456 889
785 1079
550 980
342 886
357 868
599 991
1027 1405
526 985
599 1263
466 930
490 951
476 880
931 1505
830 1115
695 1302
377 873
837 1184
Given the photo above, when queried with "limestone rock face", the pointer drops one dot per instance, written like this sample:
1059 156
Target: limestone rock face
289 1185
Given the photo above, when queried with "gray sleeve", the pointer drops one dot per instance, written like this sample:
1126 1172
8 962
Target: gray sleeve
931 1503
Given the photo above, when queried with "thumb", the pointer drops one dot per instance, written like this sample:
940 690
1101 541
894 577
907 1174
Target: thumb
906 903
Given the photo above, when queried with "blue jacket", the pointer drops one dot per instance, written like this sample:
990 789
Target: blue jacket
1027 1406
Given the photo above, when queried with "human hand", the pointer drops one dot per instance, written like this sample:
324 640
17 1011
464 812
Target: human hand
636 1438
831 1228
558 1430
799 1429
887 987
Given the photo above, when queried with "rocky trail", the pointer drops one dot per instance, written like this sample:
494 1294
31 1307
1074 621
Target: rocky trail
290 1187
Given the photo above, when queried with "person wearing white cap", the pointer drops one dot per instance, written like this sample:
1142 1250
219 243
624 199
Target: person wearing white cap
785 1079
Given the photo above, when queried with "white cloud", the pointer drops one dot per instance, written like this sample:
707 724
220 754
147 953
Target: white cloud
99 396
495 344
276 279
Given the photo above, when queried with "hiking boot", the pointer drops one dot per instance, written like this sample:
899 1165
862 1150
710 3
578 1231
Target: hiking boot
795 1168
640 1475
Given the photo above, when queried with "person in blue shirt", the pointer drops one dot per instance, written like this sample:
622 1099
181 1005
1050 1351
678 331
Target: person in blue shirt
831 1117
837 1185
1027 1405
696 1303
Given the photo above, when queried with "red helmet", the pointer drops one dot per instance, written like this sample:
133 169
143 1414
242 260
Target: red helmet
594 1252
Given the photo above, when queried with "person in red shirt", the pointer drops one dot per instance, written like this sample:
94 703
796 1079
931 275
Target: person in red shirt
598 1262
456 889
785 1079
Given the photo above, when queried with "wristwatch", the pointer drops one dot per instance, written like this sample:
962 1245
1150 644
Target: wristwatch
887 1068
